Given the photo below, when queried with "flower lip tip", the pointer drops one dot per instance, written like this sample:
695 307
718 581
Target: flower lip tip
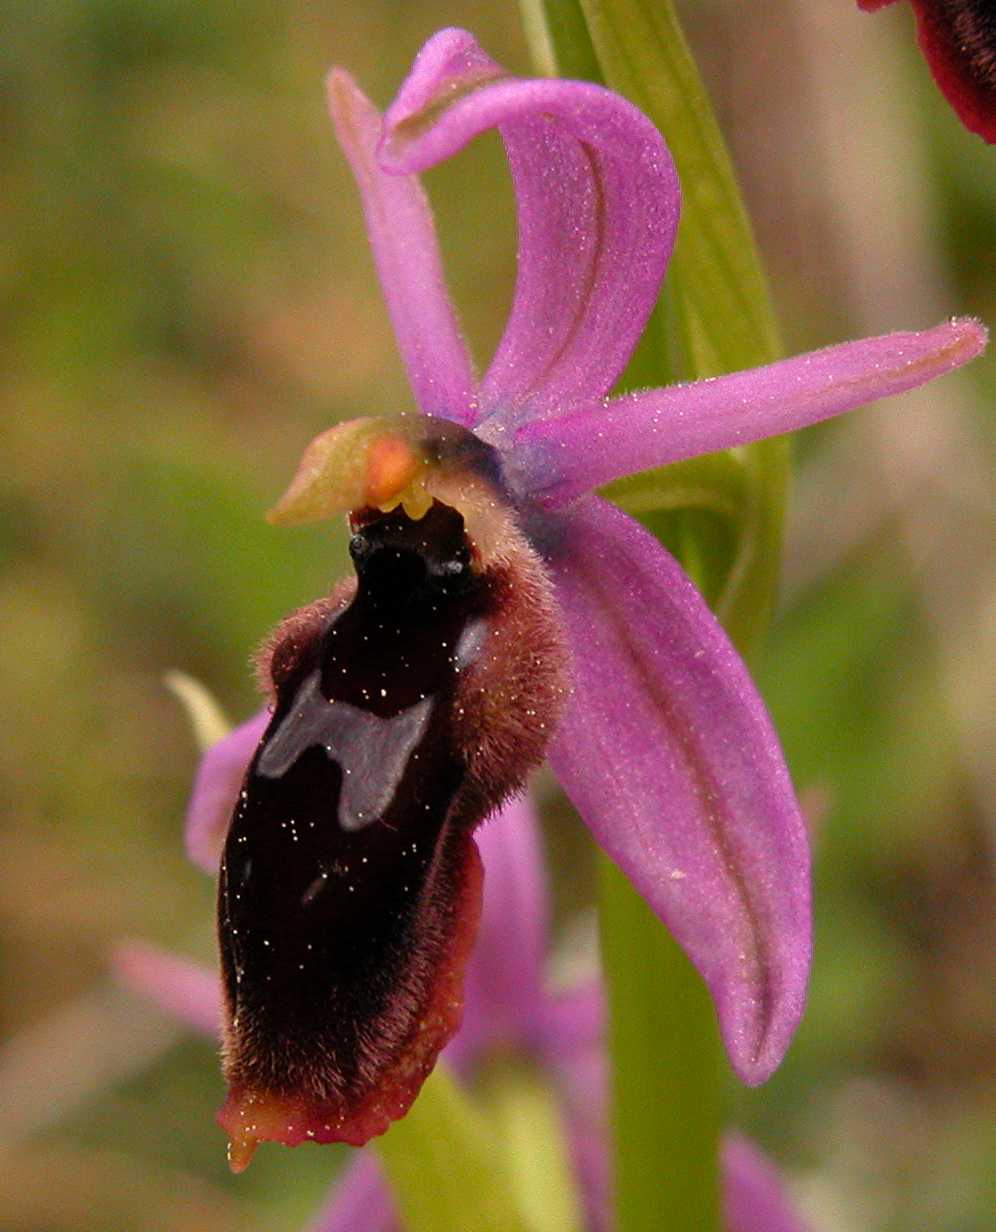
240 1153
250 1118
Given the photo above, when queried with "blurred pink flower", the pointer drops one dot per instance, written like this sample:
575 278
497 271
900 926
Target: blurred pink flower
663 744
509 1008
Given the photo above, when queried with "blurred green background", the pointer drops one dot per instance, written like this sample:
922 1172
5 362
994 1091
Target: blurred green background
189 298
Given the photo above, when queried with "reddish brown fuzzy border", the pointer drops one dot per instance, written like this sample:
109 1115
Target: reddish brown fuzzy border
250 1118
961 54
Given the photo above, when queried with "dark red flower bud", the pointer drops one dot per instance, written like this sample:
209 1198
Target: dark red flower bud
407 706
958 37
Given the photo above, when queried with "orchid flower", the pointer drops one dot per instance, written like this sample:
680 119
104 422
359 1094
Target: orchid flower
508 1009
502 611
958 39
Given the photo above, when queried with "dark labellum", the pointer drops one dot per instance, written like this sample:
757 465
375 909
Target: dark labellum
350 883
958 38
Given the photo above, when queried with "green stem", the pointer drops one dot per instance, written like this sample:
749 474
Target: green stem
667 1077
722 305
664 1041
526 1113
446 1164
665 1049
558 39
643 54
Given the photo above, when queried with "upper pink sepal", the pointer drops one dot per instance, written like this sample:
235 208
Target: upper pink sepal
406 252
598 202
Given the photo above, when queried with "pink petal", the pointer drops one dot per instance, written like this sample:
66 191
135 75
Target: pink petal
588 1141
753 1195
361 1200
571 1021
598 206
754 1198
184 989
668 754
558 459
216 788
399 223
503 986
